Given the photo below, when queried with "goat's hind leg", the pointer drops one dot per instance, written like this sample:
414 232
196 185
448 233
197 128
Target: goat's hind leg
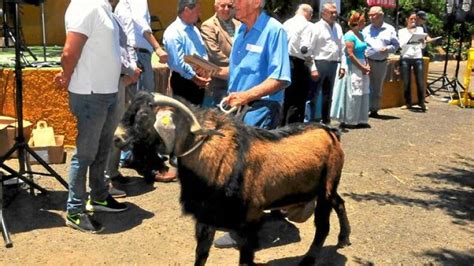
321 220
345 228
204 237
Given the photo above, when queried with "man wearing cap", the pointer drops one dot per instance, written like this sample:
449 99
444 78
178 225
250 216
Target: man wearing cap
381 40
421 19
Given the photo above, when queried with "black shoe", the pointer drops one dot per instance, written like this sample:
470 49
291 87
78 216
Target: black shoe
107 205
347 126
363 125
120 179
374 114
83 222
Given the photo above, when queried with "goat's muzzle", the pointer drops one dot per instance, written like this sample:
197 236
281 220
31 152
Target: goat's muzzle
121 138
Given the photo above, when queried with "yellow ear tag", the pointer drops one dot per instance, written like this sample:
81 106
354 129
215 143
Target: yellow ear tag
165 120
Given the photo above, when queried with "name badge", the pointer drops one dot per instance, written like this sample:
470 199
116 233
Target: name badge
254 48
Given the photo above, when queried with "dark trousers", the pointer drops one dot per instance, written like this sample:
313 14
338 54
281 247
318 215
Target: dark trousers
186 88
327 75
406 65
297 93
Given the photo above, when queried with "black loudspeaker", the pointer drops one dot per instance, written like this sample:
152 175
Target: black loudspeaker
468 7
29 2
459 11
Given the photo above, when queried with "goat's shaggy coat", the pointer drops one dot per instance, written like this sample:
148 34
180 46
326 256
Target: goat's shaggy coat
229 180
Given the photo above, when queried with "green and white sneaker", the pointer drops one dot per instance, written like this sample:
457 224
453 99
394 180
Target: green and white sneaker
107 205
83 222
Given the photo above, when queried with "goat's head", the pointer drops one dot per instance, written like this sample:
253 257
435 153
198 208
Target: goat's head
153 119
137 122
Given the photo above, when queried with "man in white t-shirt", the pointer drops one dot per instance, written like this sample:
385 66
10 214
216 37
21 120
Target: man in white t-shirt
91 71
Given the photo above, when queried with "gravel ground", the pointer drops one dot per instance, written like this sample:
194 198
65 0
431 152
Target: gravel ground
407 182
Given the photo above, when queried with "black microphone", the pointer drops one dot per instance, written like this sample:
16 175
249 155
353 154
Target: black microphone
304 50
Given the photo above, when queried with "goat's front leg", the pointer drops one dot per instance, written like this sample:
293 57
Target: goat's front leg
204 237
249 236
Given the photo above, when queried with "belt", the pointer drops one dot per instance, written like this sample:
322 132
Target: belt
378 60
142 50
327 61
295 58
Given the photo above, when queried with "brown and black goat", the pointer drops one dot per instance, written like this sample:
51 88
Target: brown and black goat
230 173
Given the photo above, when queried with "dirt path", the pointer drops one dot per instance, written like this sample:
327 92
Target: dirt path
408 183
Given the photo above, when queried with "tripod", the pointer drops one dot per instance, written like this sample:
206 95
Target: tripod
455 82
445 82
24 173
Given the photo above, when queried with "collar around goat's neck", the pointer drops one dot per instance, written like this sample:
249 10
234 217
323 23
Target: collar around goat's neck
193 148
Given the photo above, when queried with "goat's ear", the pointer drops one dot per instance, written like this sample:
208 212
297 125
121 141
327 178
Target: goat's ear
165 127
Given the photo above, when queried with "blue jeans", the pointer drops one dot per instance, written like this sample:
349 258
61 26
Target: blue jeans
96 122
147 77
406 65
263 114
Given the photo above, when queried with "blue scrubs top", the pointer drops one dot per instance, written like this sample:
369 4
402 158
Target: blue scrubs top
259 54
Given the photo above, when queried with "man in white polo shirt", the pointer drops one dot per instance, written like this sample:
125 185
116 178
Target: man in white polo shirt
91 71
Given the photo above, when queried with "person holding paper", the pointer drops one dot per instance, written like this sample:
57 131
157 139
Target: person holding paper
421 18
381 40
183 38
218 33
411 57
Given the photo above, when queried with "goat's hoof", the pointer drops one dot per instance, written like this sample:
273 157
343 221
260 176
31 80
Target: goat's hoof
307 261
344 242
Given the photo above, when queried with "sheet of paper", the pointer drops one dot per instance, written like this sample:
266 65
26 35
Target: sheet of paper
434 39
417 37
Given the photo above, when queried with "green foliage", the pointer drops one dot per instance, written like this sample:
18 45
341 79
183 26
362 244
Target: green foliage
436 10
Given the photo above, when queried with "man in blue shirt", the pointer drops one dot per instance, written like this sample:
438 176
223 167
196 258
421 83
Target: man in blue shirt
381 40
259 70
183 38
259 67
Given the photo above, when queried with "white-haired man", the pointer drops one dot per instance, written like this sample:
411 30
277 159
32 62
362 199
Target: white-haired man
381 40
259 70
218 33
297 28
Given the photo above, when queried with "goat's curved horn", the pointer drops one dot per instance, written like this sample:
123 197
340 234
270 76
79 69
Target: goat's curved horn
165 100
